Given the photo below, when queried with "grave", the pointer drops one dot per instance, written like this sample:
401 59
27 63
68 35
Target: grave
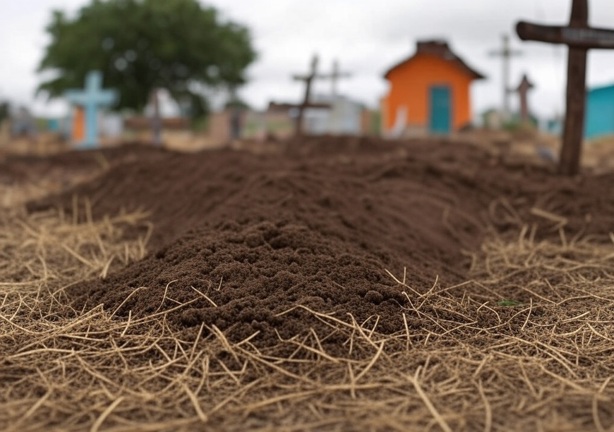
23 124
506 53
343 115
87 103
308 80
523 94
335 75
579 37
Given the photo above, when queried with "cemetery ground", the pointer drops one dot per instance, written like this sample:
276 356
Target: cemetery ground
325 284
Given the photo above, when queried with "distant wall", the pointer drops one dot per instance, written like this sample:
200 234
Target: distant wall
599 112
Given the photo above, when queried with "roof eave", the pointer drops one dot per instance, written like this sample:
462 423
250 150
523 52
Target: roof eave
474 74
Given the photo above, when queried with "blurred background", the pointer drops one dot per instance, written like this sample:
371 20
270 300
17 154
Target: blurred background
238 54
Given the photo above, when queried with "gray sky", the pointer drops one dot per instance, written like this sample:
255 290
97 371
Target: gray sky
366 36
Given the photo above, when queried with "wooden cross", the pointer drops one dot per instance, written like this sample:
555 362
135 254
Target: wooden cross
334 77
580 38
308 79
506 53
523 94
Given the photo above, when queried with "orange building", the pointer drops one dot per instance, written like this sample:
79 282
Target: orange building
429 92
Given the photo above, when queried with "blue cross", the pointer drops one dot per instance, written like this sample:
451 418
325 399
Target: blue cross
90 99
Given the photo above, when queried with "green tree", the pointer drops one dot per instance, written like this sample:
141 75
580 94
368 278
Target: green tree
140 45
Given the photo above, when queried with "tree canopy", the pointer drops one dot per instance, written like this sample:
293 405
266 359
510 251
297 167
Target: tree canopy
140 45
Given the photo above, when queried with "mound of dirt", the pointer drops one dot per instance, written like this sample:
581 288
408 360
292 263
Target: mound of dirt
64 167
239 239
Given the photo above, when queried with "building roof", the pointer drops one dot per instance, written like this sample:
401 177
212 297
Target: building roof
438 48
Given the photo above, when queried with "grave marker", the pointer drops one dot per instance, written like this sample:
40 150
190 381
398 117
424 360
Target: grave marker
580 38
90 99
506 53
156 119
334 77
308 79
523 93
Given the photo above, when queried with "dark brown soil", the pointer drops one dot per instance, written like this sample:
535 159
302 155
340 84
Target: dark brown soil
246 237
65 167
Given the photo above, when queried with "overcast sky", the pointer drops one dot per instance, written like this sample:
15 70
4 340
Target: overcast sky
366 36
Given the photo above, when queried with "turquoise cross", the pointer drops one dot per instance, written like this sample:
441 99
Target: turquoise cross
91 98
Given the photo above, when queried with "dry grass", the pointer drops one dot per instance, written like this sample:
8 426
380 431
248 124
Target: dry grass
527 344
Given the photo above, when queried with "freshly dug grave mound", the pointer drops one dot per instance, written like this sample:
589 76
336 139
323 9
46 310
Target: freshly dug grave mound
25 178
74 163
245 278
183 191
240 239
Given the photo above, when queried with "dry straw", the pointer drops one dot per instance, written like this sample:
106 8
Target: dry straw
526 344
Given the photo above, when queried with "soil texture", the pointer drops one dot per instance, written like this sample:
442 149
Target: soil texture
245 241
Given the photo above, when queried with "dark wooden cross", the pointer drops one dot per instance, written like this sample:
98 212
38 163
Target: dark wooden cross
523 93
580 38
308 79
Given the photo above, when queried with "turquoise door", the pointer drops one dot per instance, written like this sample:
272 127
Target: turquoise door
440 120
